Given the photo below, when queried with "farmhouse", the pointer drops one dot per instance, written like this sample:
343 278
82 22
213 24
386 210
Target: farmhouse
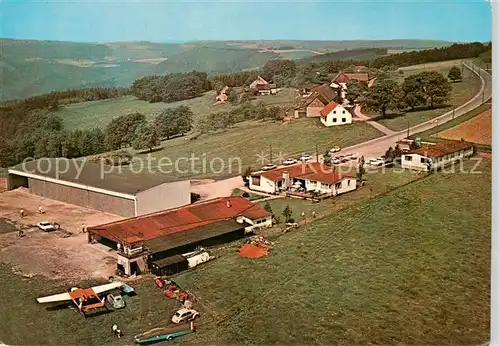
222 96
266 89
307 177
259 81
344 78
316 101
114 190
143 241
437 156
334 114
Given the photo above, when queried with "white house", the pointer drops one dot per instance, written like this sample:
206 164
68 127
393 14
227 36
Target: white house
334 114
436 156
310 177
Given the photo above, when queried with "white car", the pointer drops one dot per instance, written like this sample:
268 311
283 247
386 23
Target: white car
335 161
185 315
46 226
289 161
376 161
353 156
305 157
335 149
268 167
116 300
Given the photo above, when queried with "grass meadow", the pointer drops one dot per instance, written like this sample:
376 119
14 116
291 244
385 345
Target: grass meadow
409 266
460 94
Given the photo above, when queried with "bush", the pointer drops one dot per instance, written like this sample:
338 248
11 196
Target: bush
245 194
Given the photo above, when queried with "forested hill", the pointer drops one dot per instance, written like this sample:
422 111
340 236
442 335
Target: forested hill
29 67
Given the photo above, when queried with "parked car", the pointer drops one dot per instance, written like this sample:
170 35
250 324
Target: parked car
335 149
335 161
353 156
376 161
268 167
305 157
116 300
405 151
46 226
185 315
289 161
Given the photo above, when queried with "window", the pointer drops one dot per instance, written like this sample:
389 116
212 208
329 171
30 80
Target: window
423 160
334 120
343 120
408 158
334 112
343 112
348 183
338 185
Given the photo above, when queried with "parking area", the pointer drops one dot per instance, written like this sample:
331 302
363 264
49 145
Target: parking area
52 254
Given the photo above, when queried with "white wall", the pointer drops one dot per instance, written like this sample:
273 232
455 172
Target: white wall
417 164
262 222
266 185
343 186
163 197
334 118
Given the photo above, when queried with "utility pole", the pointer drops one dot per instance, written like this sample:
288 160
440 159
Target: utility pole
317 155
453 114
483 98
271 153
408 129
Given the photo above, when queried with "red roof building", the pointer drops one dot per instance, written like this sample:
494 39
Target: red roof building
164 223
437 156
441 149
328 108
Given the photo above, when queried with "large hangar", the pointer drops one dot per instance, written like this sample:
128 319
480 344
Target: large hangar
115 190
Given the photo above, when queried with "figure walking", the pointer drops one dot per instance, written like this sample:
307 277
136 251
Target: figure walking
117 332
40 209
22 213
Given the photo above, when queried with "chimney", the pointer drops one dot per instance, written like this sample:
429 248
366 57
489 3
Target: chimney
228 203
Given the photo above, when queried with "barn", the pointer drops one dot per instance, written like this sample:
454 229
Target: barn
154 240
115 190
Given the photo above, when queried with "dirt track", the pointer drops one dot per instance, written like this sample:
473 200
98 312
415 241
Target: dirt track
50 254
476 130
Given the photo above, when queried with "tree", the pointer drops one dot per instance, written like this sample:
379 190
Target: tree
285 68
355 89
184 119
146 137
287 213
121 131
389 154
360 172
384 95
413 89
437 88
455 74
267 207
233 96
246 174
327 158
397 151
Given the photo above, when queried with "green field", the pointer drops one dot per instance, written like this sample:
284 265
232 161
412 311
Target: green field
402 268
87 115
460 94
223 154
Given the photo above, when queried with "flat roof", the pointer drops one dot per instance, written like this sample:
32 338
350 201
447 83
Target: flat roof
165 262
91 174
178 239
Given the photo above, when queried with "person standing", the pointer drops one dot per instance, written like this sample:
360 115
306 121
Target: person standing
22 213
40 209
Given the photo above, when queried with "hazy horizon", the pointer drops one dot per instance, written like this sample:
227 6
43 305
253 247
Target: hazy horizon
187 21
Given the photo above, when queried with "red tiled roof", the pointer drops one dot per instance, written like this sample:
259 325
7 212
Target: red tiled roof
314 171
341 78
166 222
363 77
441 149
328 108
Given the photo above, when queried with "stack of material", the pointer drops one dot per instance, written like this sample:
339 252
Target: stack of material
256 248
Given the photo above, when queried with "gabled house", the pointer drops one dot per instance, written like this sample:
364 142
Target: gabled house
343 78
307 177
334 114
436 156
266 89
259 81
222 96
317 100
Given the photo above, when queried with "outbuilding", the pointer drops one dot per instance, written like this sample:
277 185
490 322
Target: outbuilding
115 190
431 157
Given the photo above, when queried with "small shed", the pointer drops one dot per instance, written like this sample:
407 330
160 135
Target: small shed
169 266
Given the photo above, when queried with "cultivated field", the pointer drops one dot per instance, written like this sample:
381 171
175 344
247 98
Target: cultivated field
461 93
87 115
476 130
228 153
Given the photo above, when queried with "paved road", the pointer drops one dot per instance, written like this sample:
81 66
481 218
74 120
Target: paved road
380 127
377 147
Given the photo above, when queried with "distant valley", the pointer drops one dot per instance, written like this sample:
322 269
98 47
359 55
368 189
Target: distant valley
29 68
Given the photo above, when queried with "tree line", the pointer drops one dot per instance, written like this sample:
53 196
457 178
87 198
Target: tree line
171 87
423 90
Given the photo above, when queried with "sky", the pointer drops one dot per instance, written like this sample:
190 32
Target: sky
179 21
